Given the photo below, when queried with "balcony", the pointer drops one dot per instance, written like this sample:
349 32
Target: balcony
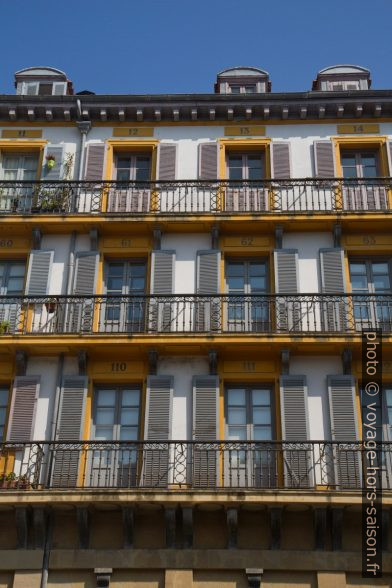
218 465
292 196
297 314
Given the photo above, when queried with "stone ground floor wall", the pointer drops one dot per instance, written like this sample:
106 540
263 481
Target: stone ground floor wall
191 579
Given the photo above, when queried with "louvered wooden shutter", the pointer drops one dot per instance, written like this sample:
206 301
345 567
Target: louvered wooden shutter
344 427
38 272
158 425
324 159
288 311
167 157
205 428
207 283
295 429
23 408
69 428
286 271
161 312
389 153
280 160
333 281
208 161
80 311
56 172
95 158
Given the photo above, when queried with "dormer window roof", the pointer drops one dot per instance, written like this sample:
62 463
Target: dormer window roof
42 81
242 80
339 78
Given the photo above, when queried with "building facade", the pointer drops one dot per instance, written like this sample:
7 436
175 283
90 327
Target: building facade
184 283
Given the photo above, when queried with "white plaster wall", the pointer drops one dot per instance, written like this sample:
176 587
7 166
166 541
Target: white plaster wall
308 245
183 369
316 369
47 368
186 246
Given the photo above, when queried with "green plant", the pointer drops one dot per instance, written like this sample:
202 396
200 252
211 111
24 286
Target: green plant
4 327
68 166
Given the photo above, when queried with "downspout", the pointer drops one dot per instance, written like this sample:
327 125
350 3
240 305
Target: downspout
84 126
47 547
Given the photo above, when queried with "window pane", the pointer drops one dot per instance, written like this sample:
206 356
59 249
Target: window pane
235 173
115 283
261 397
359 282
348 160
137 270
236 397
380 268
15 285
262 433
3 413
262 416
236 284
129 416
257 283
106 397
124 162
381 283
390 416
17 270
236 269
389 397
257 269
130 397
3 397
250 89
103 434
237 416
235 89
116 269
128 434
105 416
237 433
357 268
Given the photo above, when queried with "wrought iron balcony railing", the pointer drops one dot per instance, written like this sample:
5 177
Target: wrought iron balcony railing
302 195
295 314
222 465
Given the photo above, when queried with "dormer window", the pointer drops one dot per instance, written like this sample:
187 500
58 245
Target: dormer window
342 78
242 80
42 81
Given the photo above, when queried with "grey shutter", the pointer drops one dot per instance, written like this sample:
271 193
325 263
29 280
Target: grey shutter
167 156
344 428
158 424
80 312
324 159
162 283
333 312
23 408
280 160
205 429
38 272
288 310
208 161
207 283
95 158
56 172
295 431
71 413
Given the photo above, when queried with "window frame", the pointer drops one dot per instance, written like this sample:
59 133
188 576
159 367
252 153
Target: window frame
368 261
247 260
249 425
118 388
358 155
245 154
133 155
6 406
4 279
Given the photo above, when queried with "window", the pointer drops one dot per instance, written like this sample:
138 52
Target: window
117 413
343 85
359 164
133 167
249 413
18 167
116 417
4 393
244 278
12 274
245 89
125 278
245 166
371 277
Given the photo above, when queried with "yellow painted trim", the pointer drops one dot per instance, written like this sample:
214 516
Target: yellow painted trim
113 145
370 141
246 145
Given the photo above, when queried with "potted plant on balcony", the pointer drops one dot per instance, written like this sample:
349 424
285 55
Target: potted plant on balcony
7 480
50 161
4 327
22 483
50 306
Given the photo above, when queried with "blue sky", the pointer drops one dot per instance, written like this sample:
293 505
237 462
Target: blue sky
178 46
